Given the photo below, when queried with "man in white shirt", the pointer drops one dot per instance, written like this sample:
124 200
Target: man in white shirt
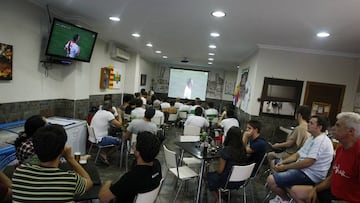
197 119
229 122
139 111
101 124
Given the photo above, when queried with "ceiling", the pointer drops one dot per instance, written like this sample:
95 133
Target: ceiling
181 28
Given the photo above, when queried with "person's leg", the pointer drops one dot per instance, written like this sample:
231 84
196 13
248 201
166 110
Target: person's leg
275 189
108 140
300 193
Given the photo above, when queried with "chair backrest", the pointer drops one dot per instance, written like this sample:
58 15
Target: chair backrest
240 173
132 143
191 130
91 132
173 116
189 138
183 114
259 166
170 158
148 197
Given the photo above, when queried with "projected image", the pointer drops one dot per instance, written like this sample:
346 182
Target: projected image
187 84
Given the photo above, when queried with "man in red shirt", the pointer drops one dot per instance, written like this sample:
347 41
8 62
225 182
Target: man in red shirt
343 185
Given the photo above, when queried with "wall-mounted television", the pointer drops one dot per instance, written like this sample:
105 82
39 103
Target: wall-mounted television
70 41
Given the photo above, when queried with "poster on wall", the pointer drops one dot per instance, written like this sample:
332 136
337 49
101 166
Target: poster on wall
6 55
229 87
242 91
110 78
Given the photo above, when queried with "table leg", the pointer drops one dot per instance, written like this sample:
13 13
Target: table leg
198 194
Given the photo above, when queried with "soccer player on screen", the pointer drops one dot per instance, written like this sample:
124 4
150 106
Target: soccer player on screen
187 90
72 48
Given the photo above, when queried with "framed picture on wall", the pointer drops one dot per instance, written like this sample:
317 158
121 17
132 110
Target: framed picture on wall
6 55
143 80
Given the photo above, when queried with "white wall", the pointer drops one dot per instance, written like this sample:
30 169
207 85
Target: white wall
305 67
148 69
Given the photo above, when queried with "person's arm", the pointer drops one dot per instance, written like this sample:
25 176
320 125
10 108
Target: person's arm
305 163
221 166
288 143
7 182
245 139
77 167
325 184
105 194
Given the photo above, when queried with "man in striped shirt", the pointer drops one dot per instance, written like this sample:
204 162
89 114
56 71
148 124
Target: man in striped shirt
45 182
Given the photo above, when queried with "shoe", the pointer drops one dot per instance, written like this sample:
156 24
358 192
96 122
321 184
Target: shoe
278 199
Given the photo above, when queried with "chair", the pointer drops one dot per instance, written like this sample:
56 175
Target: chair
150 196
252 178
237 174
173 118
182 173
183 116
191 130
130 149
93 141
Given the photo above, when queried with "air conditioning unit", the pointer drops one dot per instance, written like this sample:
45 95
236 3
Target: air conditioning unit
119 55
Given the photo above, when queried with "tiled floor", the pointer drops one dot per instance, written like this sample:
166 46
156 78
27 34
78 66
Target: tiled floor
168 190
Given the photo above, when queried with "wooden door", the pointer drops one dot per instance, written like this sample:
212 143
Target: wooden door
325 99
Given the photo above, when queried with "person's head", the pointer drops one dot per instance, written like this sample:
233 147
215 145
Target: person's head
211 105
33 123
233 137
304 112
172 103
230 113
189 82
348 123
177 99
197 101
107 106
254 126
147 146
149 113
156 104
76 37
137 94
198 111
138 102
127 98
142 91
49 142
317 124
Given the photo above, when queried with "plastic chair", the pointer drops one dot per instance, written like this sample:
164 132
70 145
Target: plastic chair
173 118
252 178
191 130
183 173
93 141
130 149
150 196
237 174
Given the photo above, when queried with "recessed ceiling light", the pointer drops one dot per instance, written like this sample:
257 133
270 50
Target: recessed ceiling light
158 52
210 59
214 34
211 54
114 18
323 34
210 63
164 57
212 46
218 14
137 35
149 44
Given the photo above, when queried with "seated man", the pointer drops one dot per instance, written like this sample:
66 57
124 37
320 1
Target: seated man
101 123
254 142
295 139
344 182
197 119
45 182
308 166
138 112
144 177
141 125
228 122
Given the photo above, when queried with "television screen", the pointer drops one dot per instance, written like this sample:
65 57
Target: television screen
67 40
187 84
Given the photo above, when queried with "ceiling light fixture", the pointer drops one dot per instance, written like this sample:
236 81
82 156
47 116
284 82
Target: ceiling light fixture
137 35
149 44
218 14
323 34
114 18
210 59
158 52
211 54
214 34
212 46
210 63
164 57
